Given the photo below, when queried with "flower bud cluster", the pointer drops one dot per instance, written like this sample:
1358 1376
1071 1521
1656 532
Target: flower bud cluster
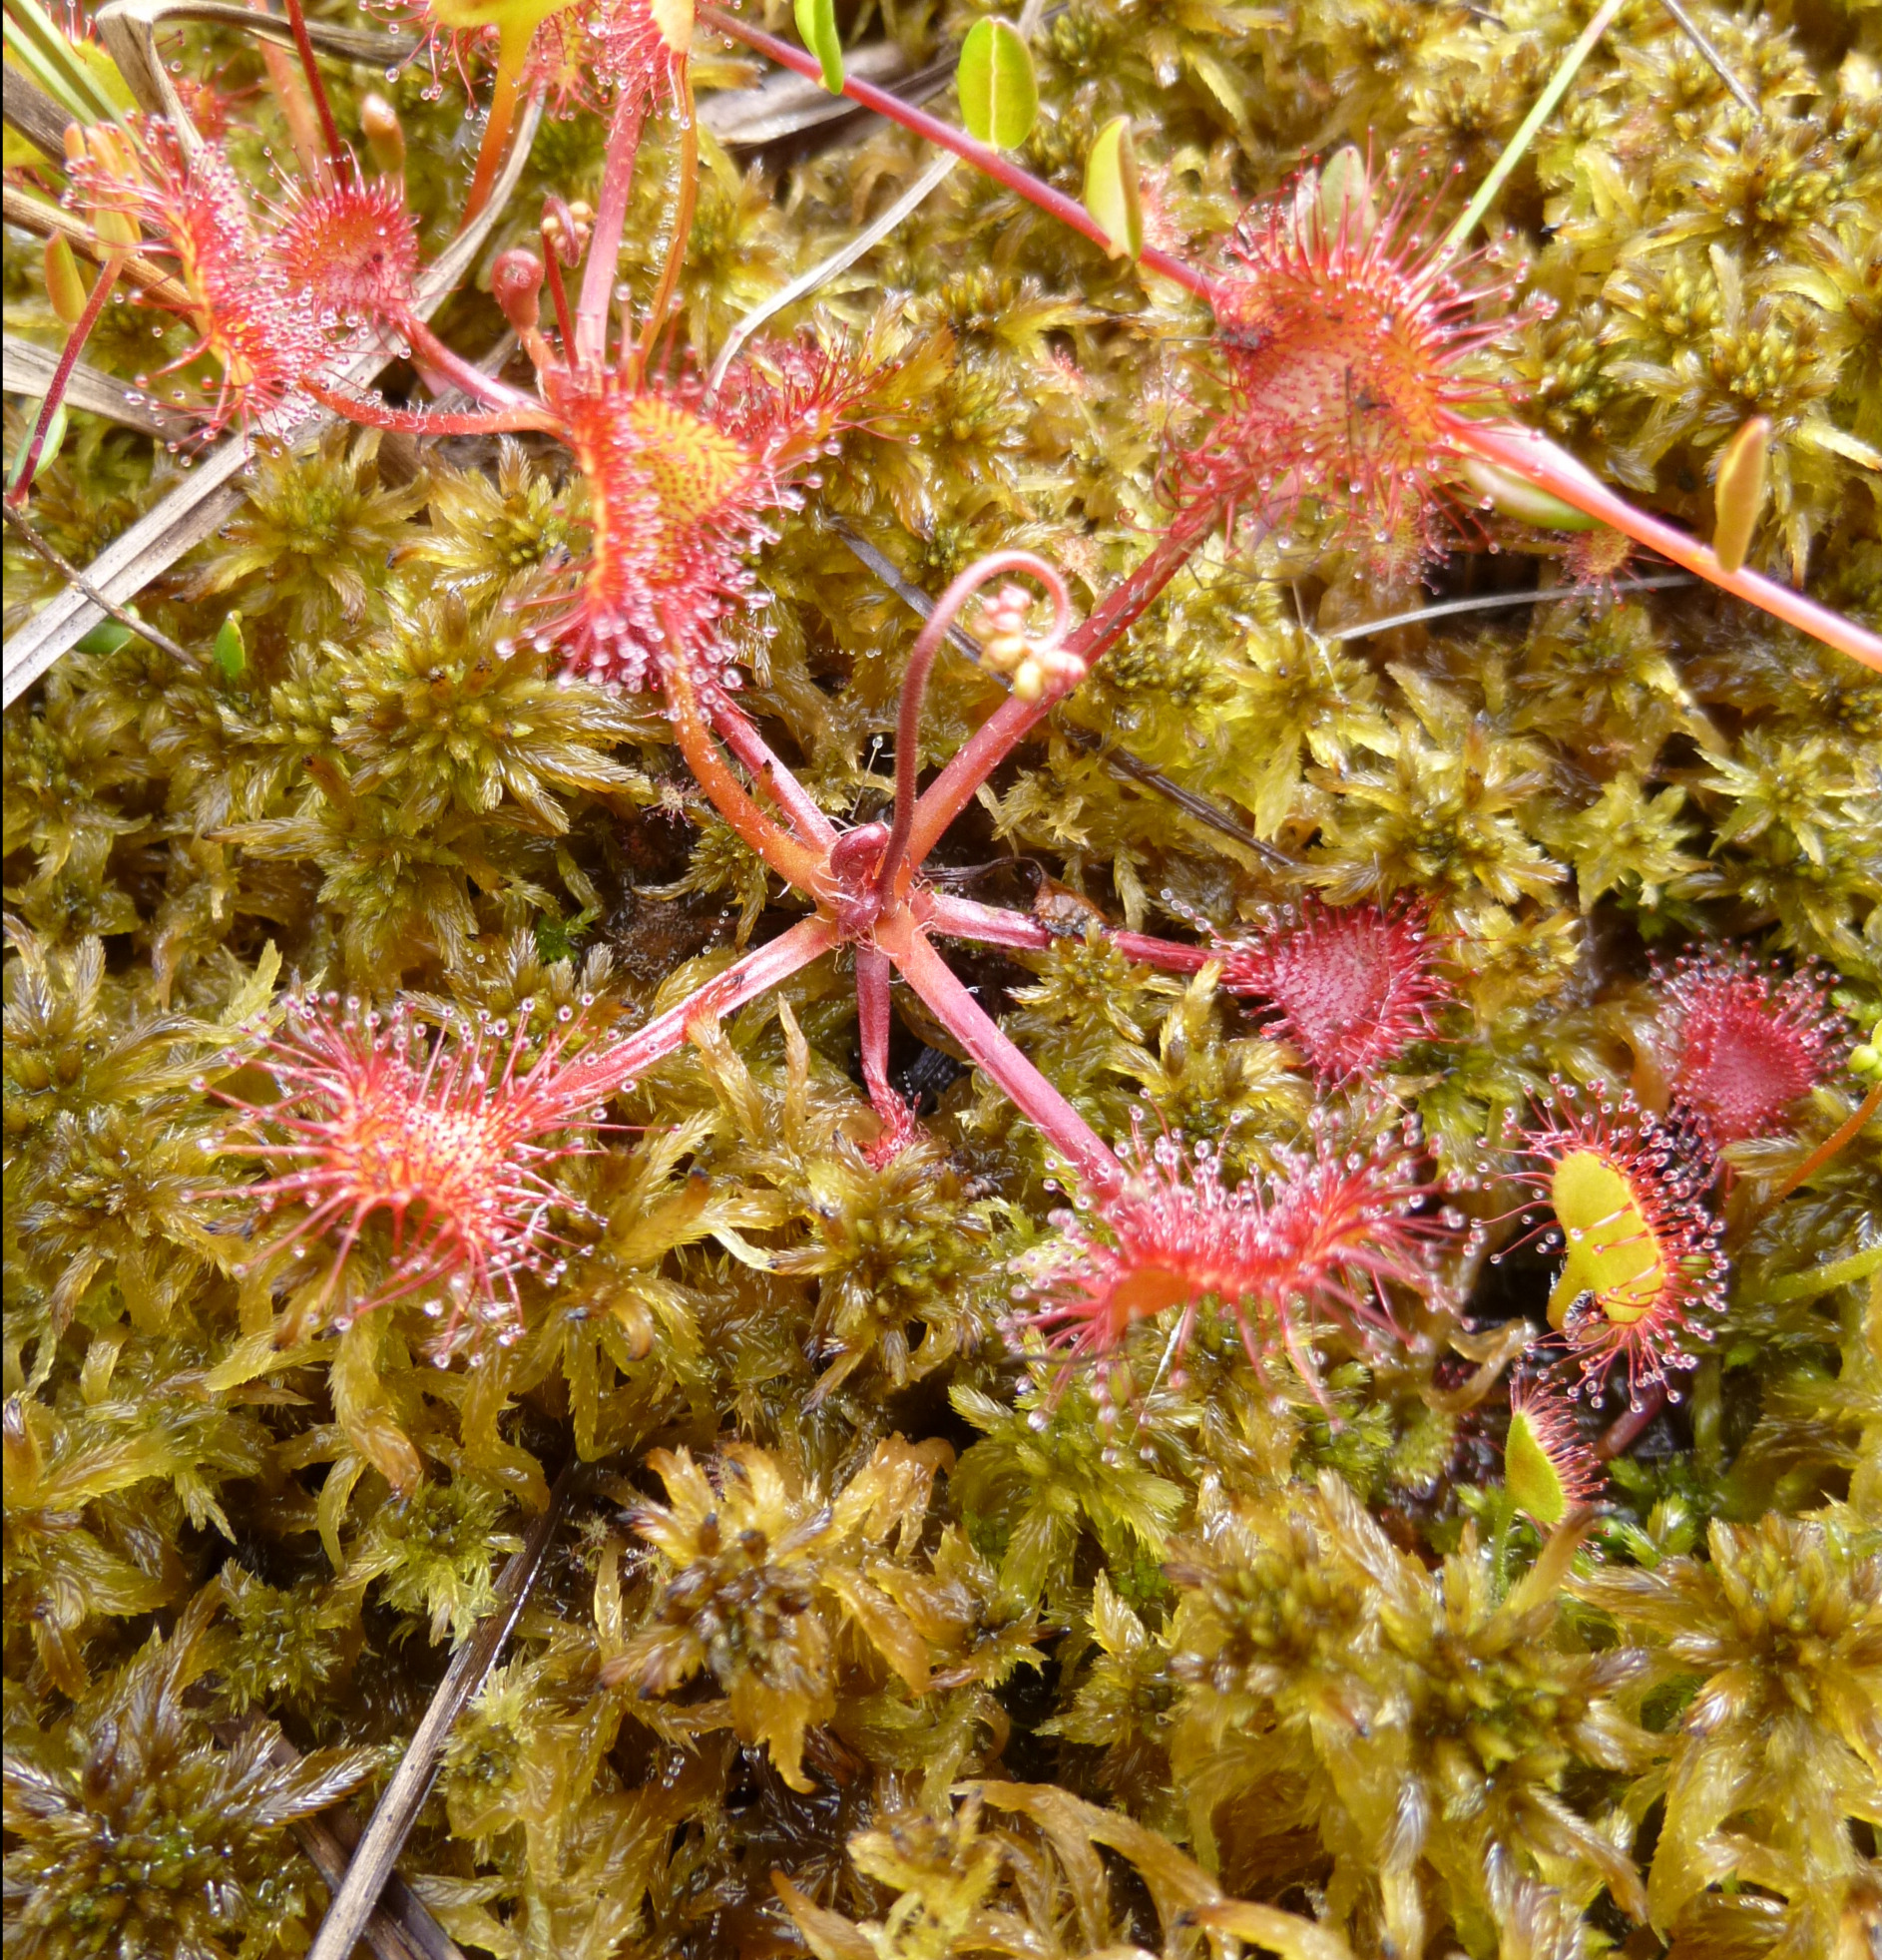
1035 666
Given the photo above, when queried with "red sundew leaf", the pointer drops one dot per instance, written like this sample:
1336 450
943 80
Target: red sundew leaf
1352 987
450 1139
1747 1043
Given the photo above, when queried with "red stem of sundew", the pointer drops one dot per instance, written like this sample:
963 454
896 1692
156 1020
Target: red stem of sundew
62 375
992 926
605 1072
770 775
424 422
471 378
497 130
557 295
1839 1138
303 46
988 161
604 242
987 925
872 1025
1010 724
988 1048
1167 955
894 874
634 359
1536 460
798 863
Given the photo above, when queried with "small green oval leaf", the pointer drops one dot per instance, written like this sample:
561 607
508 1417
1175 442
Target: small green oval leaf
65 287
816 25
49 450
1346 206
230 654
1515 497
1529 1475
106 637
999 93
1112 193
1740 495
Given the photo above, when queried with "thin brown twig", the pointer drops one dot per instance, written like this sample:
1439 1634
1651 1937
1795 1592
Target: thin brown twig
388 1939
47 221
397 1810
1713 59
1631 1425
61 564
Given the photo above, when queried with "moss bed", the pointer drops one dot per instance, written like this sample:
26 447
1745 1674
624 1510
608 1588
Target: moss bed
872 1624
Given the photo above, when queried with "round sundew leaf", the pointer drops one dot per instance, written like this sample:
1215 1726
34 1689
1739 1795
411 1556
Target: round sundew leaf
1739 494
999 93
1111 192
1613 1253
1522 501
1533 1481
816 28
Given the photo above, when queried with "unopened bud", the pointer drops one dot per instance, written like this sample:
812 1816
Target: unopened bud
566 229
104 166
1739 494
384 134
516 284
65 284
1048 668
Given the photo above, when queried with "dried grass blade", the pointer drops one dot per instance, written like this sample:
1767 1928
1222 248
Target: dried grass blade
209 498
785 105
29 370
36 216
344 43
379 1843
401 1926
34 114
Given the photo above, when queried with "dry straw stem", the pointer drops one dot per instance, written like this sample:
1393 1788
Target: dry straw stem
398 1808
200 506
61 564
46 220
29 371
401 1926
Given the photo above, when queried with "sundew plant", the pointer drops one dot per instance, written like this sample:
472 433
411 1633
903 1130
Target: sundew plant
943 985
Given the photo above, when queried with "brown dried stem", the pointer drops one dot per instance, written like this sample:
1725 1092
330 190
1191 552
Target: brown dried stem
398 1808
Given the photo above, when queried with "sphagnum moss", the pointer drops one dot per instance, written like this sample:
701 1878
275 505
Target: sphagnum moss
875 1626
